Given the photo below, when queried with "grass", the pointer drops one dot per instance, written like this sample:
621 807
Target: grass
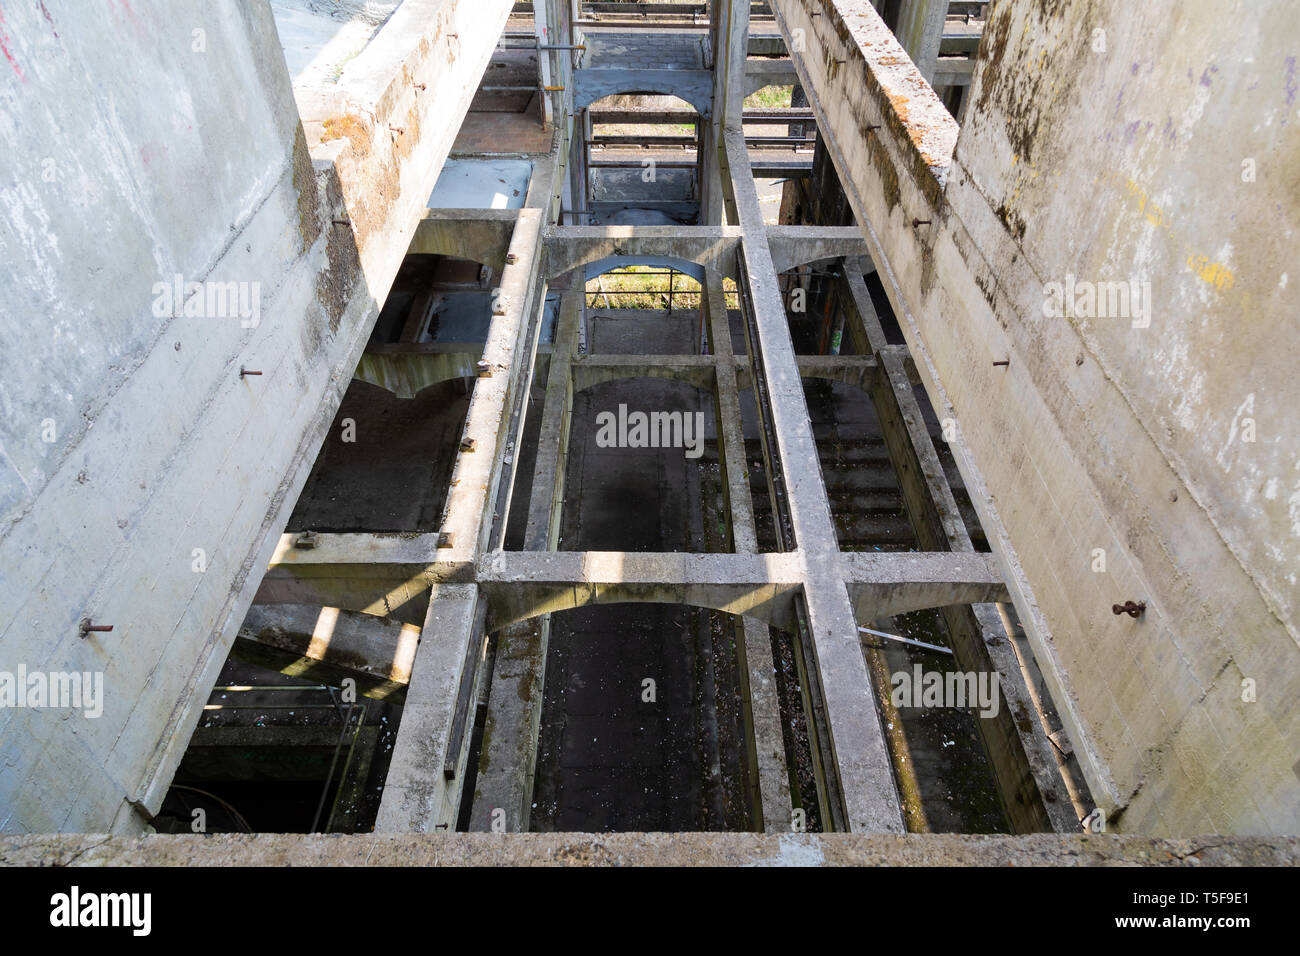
647 287
769 98
644 129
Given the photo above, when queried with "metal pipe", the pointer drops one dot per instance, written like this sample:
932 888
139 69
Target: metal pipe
907 640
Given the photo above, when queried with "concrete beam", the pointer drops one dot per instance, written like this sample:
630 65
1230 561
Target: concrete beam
509 351
419 797
856 370
856 744
405 372
693 86
568 247
762 72
482 235
883 584
547 491
520 585
699 371
954 71
329 644
647 849
798 245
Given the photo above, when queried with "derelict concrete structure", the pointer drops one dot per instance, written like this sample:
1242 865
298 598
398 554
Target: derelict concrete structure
183 440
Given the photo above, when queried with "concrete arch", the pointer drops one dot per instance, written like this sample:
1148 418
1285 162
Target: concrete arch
404 373
599 267
693 86
597 250
791 253
484 239
701 376
510 604
851 370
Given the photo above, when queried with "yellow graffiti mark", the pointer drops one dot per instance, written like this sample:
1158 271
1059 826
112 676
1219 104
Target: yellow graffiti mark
1214 273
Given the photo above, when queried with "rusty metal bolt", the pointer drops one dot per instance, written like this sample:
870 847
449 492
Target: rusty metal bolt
1003 362
920 222
467 444
484 368
89 627
1131 608
245 372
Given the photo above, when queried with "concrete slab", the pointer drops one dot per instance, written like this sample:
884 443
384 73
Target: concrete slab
482 184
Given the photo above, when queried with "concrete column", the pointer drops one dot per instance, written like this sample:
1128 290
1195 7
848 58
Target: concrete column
730 49
541 18
919 30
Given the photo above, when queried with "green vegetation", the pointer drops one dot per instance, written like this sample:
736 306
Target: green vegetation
769 98
647 287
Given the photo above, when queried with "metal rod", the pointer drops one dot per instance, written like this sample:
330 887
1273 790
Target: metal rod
907 640
247 687
329 777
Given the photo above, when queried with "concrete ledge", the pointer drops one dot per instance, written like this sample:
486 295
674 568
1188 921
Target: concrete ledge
646 849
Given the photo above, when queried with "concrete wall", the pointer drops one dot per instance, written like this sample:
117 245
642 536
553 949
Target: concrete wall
128 439
1108 157
1113 141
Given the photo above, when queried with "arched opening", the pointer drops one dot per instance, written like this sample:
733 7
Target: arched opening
642 159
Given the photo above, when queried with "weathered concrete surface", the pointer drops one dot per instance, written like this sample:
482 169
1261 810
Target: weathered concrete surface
797 245
919 29
645 849
405 369
135 453
693 86
708 247
418 797
855 739
1122 436
330 644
